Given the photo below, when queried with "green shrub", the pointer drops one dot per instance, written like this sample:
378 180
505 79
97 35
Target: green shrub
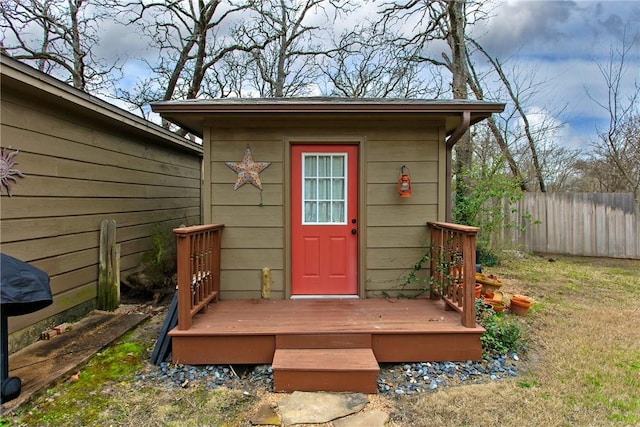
486 257
502 335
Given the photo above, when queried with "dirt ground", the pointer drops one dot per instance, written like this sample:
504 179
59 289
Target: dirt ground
581 367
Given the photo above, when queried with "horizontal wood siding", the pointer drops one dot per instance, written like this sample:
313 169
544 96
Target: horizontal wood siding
253 237
394 230
80 171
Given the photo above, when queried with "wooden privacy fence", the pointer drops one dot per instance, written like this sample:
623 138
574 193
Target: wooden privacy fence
585 224
198 253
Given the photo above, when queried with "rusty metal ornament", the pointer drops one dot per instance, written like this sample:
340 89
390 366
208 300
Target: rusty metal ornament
7 171
248 171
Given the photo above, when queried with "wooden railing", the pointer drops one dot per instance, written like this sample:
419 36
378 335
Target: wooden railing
453 266
198 258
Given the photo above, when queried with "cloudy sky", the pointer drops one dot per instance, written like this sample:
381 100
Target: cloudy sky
555 43
561 42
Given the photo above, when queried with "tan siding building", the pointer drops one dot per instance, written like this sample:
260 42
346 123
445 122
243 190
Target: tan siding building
85 161
261 225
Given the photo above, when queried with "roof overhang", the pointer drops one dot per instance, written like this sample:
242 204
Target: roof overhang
30 83
194 115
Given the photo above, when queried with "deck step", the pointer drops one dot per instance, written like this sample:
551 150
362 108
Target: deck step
309 341
325 369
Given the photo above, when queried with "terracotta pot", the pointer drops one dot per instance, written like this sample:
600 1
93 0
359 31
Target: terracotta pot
490 288
498 296
489 294
519 306
520 300
478 291
498 307
518 310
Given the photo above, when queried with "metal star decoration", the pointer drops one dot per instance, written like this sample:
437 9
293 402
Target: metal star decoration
248 170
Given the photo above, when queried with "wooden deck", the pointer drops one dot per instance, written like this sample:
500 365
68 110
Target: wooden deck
250 331
325 344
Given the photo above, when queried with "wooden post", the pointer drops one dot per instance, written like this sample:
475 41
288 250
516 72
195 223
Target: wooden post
265 288
469 277
183 246
109 268
116 269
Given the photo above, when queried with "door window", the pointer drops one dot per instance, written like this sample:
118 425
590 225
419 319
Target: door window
324 191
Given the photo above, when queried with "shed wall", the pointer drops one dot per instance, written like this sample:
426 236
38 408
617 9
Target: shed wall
393 231
78 173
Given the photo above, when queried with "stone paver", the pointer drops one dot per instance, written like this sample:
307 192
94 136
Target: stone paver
320 407
373 418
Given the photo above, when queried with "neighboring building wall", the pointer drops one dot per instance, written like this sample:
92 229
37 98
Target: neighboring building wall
393 231
80 168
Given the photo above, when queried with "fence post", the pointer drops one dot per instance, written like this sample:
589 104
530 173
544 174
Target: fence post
108 293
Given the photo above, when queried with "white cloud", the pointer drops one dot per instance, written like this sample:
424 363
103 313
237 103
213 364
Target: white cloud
550 29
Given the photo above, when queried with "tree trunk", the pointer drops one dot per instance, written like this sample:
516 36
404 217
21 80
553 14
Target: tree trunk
464 148
78 55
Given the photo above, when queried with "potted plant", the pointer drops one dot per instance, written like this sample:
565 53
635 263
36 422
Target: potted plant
519 305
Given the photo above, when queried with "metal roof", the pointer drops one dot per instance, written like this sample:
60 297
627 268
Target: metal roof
191 114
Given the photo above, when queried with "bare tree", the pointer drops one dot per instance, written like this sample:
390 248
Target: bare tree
287 30
228 77
437 21
59 37
185 34
500 134
516 100
595 174
618 145
460 76
366 64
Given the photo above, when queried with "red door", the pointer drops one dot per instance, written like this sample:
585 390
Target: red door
324 218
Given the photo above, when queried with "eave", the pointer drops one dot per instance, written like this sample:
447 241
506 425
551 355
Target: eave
193 114
22 79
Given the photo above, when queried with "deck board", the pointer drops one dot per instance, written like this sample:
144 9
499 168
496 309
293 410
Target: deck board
370 316
250 331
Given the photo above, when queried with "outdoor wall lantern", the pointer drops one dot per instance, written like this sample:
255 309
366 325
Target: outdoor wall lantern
404 183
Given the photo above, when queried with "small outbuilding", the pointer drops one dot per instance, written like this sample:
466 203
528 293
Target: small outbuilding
315 189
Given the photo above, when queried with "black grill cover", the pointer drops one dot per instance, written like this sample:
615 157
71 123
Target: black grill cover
23 288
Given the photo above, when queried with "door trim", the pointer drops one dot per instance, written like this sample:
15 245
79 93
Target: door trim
333 140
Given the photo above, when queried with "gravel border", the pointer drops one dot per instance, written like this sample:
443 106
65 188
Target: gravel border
393 379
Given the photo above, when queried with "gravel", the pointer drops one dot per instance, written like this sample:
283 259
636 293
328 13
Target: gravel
393 379
410 378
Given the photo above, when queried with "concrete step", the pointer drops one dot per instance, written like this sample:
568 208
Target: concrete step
325 369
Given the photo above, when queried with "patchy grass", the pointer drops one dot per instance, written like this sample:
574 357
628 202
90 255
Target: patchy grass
107 393
582 366
85 390
162 406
